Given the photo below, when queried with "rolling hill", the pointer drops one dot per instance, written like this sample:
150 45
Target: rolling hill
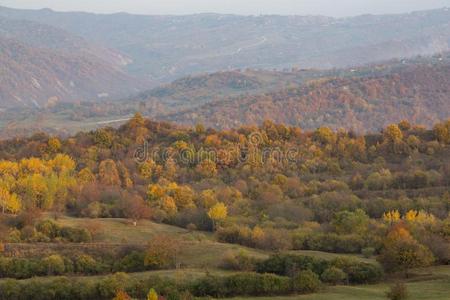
363 99
371 98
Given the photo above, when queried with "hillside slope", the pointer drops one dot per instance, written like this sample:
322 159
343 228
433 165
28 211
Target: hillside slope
43 65
41 77
416 91
164 48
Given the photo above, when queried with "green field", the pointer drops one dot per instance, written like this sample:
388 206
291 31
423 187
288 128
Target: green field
201 255
427 290
425 284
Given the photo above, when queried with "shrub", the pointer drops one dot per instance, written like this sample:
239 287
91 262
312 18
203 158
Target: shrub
368 252
85 264
398 291
333 276
20 268
330 242
364 273
238 262
133 262
48 228
161 253
53 265
209 286
306 282
75 235
288 265
252 284
109 286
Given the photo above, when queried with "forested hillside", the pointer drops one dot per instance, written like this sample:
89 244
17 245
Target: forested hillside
284 191
366 100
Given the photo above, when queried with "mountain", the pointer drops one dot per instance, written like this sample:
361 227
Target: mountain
43 65
164 48
193 91
38 35
363 99
417 90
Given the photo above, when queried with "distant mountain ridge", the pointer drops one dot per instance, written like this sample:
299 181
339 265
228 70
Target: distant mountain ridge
225 70
42 65
164 48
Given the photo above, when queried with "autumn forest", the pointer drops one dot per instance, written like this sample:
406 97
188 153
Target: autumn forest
380 200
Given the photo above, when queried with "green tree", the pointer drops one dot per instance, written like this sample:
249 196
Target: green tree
347 222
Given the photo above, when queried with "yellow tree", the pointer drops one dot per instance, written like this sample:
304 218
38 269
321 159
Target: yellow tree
183 195
62 164
35 190
146 169
9 168
393 134
9 202
155 192
169 206
152 295
32 165
392 216
207 168
54 145
218 213
85 176
411 216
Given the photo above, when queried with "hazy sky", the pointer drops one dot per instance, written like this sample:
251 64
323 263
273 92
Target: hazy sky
336 8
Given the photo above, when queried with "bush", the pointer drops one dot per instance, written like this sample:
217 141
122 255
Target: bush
288 265
244 284
133 262
75 235
306 282
333 276
238 262
209 286
20 268
368 252
109 286
53 265
85 264
251 284
329 242
364 273
398 292
47 231
267 239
